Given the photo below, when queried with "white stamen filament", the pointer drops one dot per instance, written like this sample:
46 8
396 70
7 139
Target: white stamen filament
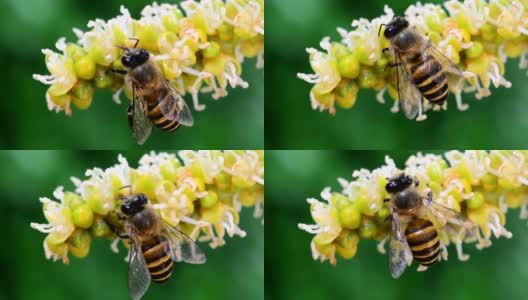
114 244
313 229
460 254
381 246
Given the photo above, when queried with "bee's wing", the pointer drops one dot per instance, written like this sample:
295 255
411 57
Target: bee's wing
451 70
409 95
137 117
399 253
447 215
181 247
138 273
173 106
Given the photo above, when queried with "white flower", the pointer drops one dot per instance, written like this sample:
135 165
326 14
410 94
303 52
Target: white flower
247 166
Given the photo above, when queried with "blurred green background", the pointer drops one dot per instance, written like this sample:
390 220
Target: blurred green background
234 271
294 25
499 272
234 122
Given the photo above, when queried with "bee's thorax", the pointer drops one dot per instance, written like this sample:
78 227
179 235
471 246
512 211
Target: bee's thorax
144 75
407 40
144 221
407 201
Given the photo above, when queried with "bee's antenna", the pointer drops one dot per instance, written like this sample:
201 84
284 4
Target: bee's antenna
381 26
135 39
122 47
126 186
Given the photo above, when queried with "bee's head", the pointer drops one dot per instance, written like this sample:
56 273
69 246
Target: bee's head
134 57
394 27
133 204
400 183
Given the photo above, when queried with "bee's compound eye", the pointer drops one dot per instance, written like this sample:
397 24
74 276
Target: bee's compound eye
143 199
389 31
126 209
144 54
126 60
408 180
390 186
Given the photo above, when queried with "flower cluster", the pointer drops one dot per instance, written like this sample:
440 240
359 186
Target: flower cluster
199 50
480 185
477 35
202 196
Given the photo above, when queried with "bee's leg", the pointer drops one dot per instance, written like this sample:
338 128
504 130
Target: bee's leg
391 65
116 231
421 109
122 72
122 236
130 114
430 196
385 50
386 200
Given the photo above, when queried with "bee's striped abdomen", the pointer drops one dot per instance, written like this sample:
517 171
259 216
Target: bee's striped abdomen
158 261
423 240
155 115
429 77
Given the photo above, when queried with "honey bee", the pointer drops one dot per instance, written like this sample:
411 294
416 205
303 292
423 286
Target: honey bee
412 232
423 71
154 245
155 100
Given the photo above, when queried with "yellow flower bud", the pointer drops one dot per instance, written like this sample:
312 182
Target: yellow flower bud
213 50
515 198
476 201
514 48
347 244
85 67
248 197
363 204
74 51
102 78
367 78
478 66
362 54
348 66
225 32
339 201
222 181
326 249
83 216
252 47
80 238
479 216
326 100
346 93
368 228
148 38
339 50
100 228
213 214
62 100
349 216
72 200
210 200
82 94
215 65
475 50
60 249
347 253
